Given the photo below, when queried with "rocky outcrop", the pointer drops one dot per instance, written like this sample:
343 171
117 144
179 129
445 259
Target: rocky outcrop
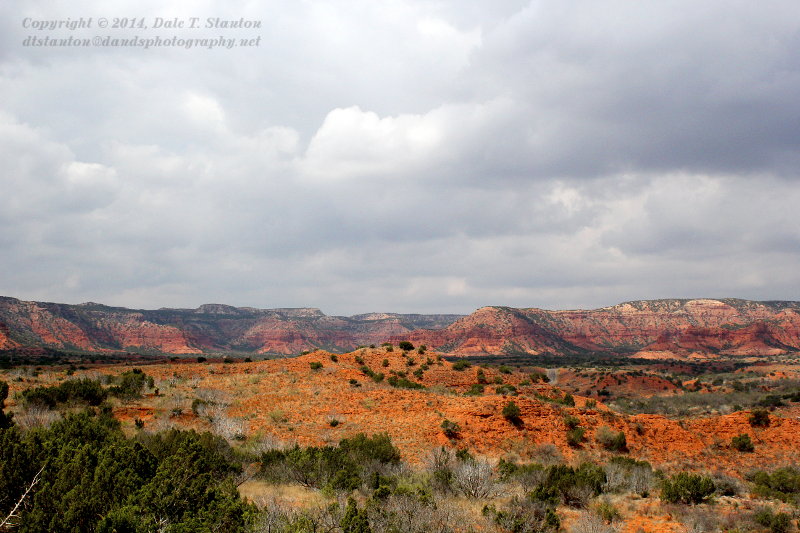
211 328
649 329
666 328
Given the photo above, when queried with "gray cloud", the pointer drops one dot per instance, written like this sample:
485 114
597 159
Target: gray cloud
407 157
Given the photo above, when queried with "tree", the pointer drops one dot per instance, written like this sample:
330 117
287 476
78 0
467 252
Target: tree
96 479
406 346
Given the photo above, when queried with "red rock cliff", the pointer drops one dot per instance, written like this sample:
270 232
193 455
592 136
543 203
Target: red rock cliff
675 327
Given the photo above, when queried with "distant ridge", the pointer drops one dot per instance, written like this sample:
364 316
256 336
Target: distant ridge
211 328
668 328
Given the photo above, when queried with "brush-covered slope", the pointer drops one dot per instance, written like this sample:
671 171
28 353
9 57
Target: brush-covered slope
209 328
656 328
298 399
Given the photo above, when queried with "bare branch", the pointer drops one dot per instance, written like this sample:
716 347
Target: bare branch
8 521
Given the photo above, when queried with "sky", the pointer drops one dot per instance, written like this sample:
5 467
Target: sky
402 155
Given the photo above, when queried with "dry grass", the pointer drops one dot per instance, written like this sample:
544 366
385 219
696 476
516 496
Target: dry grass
290 495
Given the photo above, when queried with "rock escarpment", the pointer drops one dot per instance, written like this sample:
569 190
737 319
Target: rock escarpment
211 328
655 328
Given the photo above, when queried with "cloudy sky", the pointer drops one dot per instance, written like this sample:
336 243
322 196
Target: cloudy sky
403 155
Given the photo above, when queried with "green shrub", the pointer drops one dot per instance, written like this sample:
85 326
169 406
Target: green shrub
406 346
539 376
571 486
93 478
5 418
782 484
130 384
771 400
575 436
403 383
759 418
450 429
461 365
481 377
511 412
378 448
475 390
610 439
571 421
776 523
85 391
504 369
334 358
742 443
354 520
506 390
385 363
315 365
687 488
523 516
606 511
336 468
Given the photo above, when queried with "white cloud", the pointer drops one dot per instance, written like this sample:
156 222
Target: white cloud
408 156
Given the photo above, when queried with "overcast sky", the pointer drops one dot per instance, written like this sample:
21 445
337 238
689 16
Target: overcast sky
403 155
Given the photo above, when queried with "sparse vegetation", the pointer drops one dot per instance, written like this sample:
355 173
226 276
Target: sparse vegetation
527 490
